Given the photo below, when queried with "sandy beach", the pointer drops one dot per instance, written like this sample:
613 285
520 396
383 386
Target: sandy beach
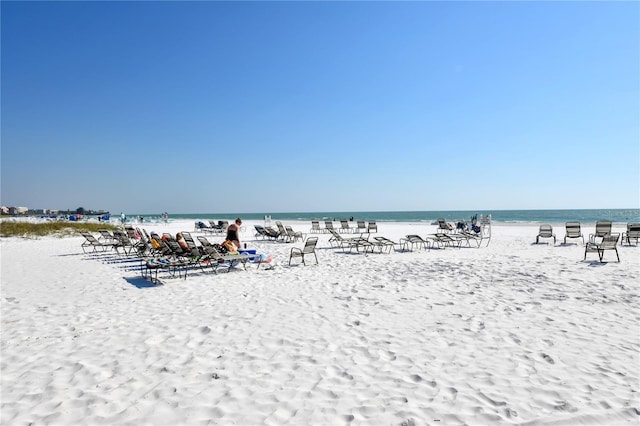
509 333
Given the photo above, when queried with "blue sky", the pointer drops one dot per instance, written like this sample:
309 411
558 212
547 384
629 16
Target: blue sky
212 107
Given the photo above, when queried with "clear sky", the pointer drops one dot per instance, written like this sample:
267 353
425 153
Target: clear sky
211 107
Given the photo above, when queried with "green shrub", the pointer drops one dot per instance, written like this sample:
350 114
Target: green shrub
60 229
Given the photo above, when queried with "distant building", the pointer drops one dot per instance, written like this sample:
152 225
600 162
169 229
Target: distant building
18 210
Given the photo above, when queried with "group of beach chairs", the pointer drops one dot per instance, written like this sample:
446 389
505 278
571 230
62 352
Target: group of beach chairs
219 227
283 233
361 227
602 240
164 253
446 235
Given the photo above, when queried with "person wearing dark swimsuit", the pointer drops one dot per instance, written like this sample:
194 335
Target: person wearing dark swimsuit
233 233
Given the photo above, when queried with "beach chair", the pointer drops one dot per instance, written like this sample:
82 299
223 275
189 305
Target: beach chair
328 226
632 233
309 248
122 242
444 227
609 242
338 241
216 259
213 228
315 227
282 233
603 228
373 227
293 235
443 240
384 244
362 226
546 231
266 233
572 230
344 226
92 242
189 240
411 241
106 236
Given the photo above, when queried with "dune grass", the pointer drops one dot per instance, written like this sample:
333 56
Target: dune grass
60 229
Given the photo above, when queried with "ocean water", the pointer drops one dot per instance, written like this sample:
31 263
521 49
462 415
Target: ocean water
507 216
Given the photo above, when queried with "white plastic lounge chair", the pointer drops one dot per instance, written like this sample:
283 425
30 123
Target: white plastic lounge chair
609 242
309 248
546 231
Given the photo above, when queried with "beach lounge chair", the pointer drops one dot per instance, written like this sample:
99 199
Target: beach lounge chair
213 228
92 242
632 233
444 227
123 242
293 235
475 232
546 231
373 227
106 236
443 240
338 241
362 226
328 226
315 227
609 242
384 244
309 248
410 241
603 228
266 233
344 226
218 260
282 233
572 230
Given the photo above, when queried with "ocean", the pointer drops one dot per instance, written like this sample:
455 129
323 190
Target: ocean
620 216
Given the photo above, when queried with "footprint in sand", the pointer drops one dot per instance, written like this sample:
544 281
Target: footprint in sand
205 330
547 358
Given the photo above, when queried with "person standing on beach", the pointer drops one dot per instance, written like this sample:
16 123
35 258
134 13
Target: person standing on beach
123 218
233 232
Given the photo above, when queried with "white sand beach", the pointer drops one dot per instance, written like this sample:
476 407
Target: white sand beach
510 333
